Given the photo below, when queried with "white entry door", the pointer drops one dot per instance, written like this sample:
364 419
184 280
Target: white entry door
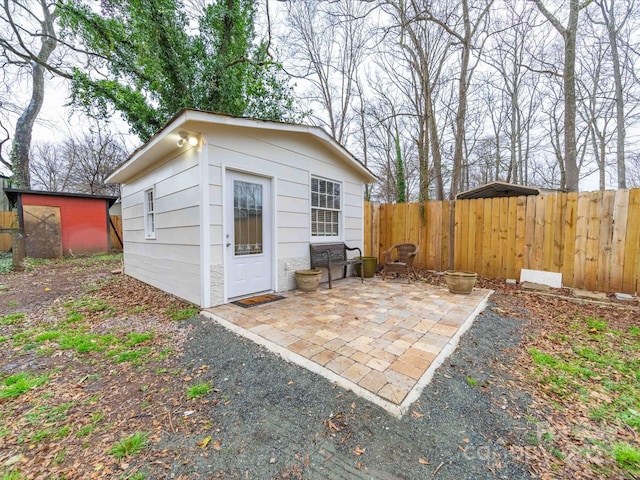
248 232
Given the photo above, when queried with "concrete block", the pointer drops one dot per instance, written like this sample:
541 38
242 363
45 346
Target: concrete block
552 279
624 297
538 287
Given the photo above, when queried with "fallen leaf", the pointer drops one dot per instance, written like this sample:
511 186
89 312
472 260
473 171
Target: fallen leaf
422 461
272 460
415 414
465 440
359 450
204 442
290 382
216 446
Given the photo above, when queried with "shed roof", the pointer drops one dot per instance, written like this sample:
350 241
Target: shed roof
499 189
12 194
193 122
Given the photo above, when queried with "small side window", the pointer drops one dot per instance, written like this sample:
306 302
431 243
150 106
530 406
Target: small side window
149 214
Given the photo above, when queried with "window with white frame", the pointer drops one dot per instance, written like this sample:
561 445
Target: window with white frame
149 214
326 201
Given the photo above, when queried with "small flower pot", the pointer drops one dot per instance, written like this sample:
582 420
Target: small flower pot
308 280
460 282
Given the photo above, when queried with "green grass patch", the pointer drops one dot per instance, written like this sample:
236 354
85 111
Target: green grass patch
12 319
6 263
627 456
15 385
31 264
179 314
12 475
74 317
130 445
597 368
472 381
48 414
597 324
198 390
134 339
136 357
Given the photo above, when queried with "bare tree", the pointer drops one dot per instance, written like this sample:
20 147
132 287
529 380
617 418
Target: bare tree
466 23
330 41
614 16
27 42
50 167
78 165
568 34
422 52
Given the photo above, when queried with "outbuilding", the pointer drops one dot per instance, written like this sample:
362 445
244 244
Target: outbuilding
57 223
216 207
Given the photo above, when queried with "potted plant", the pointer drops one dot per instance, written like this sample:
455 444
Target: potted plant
459 281
308 280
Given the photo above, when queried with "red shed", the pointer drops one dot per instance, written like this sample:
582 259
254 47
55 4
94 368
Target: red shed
57 224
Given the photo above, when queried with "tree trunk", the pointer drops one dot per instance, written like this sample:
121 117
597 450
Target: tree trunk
609 18
24 126
569 81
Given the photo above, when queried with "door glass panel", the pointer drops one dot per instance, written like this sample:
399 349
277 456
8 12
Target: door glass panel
247 217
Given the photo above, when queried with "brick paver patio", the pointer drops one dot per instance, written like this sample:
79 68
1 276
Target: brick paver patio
382 340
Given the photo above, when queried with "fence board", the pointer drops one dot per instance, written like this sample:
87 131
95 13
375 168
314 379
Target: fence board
548 228
461 243
593 229
631 256
510 255
520 235
447 229
582 222
605 236
470 236
569 240
558 234
530 219
478 222
486 239
620 211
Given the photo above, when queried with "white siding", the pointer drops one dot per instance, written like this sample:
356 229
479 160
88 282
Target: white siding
171 261
291 160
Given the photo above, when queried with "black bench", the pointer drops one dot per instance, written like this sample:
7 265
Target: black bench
327 255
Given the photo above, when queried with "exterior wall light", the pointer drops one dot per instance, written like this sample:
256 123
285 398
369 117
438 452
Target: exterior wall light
187 138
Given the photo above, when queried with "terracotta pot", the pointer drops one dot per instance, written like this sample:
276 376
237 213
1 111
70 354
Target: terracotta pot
308 280
460 282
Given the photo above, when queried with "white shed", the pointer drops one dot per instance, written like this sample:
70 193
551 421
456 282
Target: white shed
216 207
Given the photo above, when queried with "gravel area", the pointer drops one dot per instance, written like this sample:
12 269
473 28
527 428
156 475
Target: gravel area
268 418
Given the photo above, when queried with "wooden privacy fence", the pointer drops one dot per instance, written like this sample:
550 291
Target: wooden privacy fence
7 220
592 238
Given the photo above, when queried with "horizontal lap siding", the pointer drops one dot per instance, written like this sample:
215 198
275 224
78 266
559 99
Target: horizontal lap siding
291 162
171 261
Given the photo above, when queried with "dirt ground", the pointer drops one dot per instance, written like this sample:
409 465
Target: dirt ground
263 418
